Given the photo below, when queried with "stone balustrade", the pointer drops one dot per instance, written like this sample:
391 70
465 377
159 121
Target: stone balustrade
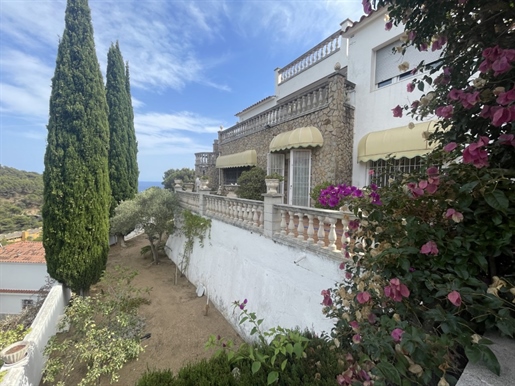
237 211
318 229
318 53
306 103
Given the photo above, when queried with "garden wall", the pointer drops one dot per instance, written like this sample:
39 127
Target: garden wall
282 283
28 372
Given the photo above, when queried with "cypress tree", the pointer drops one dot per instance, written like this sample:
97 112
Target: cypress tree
119 117
76 178
133 144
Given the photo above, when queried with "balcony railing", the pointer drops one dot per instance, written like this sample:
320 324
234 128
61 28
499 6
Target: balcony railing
206 158
320 52
312 100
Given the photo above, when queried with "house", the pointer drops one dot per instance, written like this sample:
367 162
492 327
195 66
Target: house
22 273
330 118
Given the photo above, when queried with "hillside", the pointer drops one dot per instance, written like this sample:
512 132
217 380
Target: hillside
21 197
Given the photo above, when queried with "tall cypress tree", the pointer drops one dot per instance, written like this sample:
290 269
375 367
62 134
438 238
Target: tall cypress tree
119 117
76 178
133 144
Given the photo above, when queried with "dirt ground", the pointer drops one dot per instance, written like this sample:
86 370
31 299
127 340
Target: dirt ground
174 318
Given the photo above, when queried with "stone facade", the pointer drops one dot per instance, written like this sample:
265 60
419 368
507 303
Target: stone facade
335 119
205 166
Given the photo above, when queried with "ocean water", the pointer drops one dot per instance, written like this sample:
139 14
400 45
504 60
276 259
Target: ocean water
144 185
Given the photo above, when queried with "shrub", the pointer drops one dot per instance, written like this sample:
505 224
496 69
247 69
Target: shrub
156 378
251 184
315 195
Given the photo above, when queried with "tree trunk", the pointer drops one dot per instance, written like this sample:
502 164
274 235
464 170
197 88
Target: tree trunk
154 251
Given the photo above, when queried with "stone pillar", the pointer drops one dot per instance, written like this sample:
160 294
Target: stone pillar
272 217
201 202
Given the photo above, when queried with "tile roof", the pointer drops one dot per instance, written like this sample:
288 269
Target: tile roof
255 104
23 252
18 291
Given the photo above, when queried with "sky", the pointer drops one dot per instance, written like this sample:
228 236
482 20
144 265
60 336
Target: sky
193 65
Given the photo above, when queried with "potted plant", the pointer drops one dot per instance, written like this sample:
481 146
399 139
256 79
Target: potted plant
14 352
272 182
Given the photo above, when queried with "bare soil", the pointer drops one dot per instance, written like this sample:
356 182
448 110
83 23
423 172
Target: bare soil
174 318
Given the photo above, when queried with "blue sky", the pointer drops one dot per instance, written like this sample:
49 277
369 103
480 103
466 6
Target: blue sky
194 64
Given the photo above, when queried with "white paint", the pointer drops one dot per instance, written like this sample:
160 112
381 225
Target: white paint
43 327
19 276
373 106
282 283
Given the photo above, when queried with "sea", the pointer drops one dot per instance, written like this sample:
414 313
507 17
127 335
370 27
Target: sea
144 185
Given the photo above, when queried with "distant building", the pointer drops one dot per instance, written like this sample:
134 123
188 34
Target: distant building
22 273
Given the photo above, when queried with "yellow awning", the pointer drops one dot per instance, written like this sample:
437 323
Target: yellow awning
302 137
245 158
399 142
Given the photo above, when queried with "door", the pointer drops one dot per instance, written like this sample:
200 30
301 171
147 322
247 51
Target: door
300 173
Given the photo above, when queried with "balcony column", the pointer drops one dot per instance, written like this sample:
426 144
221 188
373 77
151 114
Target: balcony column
271 216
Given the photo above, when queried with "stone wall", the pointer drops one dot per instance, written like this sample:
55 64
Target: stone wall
331 162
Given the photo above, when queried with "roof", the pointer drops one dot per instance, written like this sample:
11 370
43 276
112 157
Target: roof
18 291
255 104
31 252
362 20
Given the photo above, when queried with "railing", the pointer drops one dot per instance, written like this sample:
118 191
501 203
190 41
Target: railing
319 229
318 53
312 100
206 158
244 213
189 200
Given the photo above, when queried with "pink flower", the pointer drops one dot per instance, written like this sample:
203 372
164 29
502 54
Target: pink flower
327 298
475 154
454 215
367 7
432 171
469 100
371 172
429 248
372 318
505 98
356 339
354 325
415 105
363 297
396 290
431 188
455 94
450 147
397 335
455 298
397 111
507 139
242 305
445 111
411 35
501 116
348 275
410 87
439 43
501 65
388 26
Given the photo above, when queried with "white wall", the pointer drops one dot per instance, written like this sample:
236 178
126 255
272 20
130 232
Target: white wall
237 264
374 106
29 371
11 303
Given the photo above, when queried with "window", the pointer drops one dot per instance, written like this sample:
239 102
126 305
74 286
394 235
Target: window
388 61
25 303
276 165
384 170
231 175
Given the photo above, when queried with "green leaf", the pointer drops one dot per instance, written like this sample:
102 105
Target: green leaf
491 360
473 353
283 365
243 320
389 372
420 86
255 367
272 377
289 348
468 187
298 349
497 200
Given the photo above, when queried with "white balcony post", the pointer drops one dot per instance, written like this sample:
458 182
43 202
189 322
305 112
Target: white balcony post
271 216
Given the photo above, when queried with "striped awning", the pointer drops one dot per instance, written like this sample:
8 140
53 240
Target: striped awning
302 137
236 160
398 142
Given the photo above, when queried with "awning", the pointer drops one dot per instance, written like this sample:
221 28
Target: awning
245 158
399 142
302 137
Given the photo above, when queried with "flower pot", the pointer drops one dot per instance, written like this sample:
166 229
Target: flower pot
189 186
271 185
178 184
14 352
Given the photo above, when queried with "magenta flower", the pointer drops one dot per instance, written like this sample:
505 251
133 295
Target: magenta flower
507 139
242 305
388 26
396 290
367 7
327 298
354 325
397 335
372 318
438 43
410 87
371 172
429 248
445 111
356 339
454 215
503 115
450 147
397 111
363 297
505 98
475 154
455 94
455 298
